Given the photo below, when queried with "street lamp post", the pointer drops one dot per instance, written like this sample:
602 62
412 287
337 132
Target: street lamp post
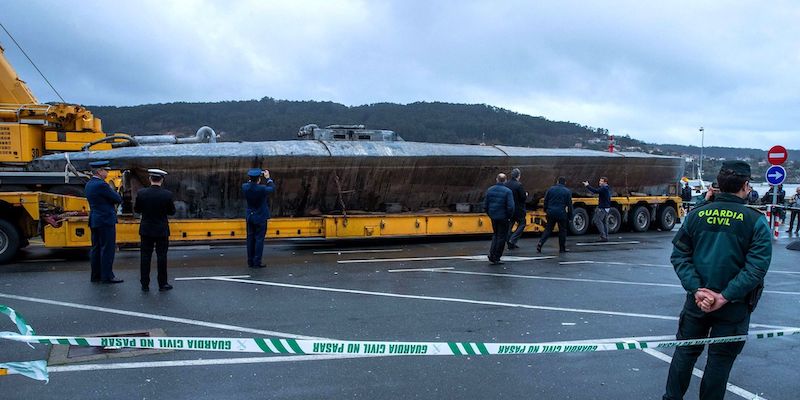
702 135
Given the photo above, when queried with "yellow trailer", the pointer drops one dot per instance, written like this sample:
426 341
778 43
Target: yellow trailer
62 221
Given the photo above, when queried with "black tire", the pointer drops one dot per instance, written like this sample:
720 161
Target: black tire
9 241
666 218
70 190
579 223
614 221
640 219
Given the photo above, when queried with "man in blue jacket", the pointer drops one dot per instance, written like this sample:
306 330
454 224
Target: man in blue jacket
257 214
499 205
558 206
603 206
102 222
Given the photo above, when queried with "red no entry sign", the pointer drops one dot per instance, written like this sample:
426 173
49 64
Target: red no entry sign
777 155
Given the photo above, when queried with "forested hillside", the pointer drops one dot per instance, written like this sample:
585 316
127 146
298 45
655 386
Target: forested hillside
269 119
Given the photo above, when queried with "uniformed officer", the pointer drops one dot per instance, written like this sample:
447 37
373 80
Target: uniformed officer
558 207
257 214
154 203
102 222
721 254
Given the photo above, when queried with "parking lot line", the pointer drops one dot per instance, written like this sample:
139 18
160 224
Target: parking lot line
440 258
555 278
698 373
628 264
156 317
358 251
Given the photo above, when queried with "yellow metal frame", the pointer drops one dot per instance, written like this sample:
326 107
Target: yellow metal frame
75 232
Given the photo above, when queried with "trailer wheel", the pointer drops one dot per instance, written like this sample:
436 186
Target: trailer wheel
640 219
9 241
579 223
614 221
667 216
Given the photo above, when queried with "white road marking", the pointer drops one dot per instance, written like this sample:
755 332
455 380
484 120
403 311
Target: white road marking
468 258
358 251
664 266
195 278
159 317
698 373
656 265
418 269
554 278
466 301
605 243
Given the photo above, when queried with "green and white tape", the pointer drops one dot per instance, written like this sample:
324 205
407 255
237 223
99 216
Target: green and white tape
38 369
17 319
308 346
32 369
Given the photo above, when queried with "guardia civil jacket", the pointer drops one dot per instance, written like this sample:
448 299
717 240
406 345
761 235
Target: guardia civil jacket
723 246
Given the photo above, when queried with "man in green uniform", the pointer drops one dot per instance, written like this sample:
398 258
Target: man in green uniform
721 254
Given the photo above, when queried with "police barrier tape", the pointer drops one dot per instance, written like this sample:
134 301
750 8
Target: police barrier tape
307 346
33 369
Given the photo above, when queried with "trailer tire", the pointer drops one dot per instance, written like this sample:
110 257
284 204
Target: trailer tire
640 219
9 241
667 216
614 220
579 223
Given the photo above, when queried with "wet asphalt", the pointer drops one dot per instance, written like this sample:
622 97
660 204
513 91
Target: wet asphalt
575 296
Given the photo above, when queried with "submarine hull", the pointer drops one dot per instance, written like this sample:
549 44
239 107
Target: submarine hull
315 177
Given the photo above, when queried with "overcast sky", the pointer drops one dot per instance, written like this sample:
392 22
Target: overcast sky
656 71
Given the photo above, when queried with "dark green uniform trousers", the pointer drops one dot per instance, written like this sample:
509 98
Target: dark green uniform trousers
731 320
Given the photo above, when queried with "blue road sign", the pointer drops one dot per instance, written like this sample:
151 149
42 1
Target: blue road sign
775 175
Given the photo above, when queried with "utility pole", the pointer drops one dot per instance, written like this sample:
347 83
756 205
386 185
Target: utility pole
702 136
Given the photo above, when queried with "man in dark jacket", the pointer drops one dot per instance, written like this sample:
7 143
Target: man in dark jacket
257 214
603 191
721 254
520 195
558 206
499 205
102 222
686 192
154 203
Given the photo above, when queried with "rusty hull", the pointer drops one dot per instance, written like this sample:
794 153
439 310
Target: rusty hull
320 177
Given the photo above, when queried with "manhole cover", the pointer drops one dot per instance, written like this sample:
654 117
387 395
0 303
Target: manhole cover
67 354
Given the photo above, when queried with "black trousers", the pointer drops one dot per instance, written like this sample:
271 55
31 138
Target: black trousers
161 245
515 234
562 231
499 238
104 244
730 320
792 216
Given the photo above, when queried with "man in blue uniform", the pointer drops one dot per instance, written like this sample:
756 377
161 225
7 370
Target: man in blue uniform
499 205
558 206
102 222
154 203
520 196
603 206
721 254
257 214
